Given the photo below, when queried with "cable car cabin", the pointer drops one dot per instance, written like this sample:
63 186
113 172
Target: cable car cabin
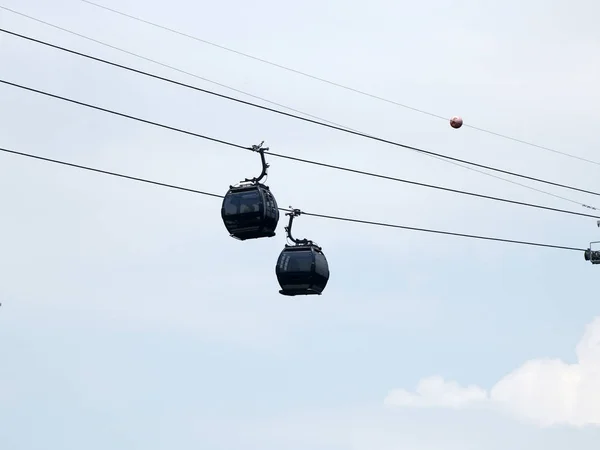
592 255
250 212
302 270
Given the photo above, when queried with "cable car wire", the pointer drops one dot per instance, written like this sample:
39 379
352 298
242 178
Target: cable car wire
333 83
279 104
306 161
168 66
322 216
255 105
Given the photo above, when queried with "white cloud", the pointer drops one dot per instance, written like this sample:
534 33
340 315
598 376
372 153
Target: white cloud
435 391
546 391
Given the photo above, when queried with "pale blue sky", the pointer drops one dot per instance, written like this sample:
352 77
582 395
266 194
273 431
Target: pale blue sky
130 319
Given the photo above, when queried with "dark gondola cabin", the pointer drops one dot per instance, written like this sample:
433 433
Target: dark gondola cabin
592 255
250 212
302 270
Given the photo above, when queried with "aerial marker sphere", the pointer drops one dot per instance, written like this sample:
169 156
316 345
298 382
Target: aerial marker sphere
456 122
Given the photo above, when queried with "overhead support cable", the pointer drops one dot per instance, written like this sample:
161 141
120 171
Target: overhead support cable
141 72
306 161
333 83
322 216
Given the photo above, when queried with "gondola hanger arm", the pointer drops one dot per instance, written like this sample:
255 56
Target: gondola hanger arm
295 212
261 151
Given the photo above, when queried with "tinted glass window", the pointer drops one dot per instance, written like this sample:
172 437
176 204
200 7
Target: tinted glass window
321 266
242 202
298 261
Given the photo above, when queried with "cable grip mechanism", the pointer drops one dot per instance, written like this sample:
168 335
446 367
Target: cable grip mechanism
295 212
261 151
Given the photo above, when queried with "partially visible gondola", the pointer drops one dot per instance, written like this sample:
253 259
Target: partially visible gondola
249 210
592 255
302 268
